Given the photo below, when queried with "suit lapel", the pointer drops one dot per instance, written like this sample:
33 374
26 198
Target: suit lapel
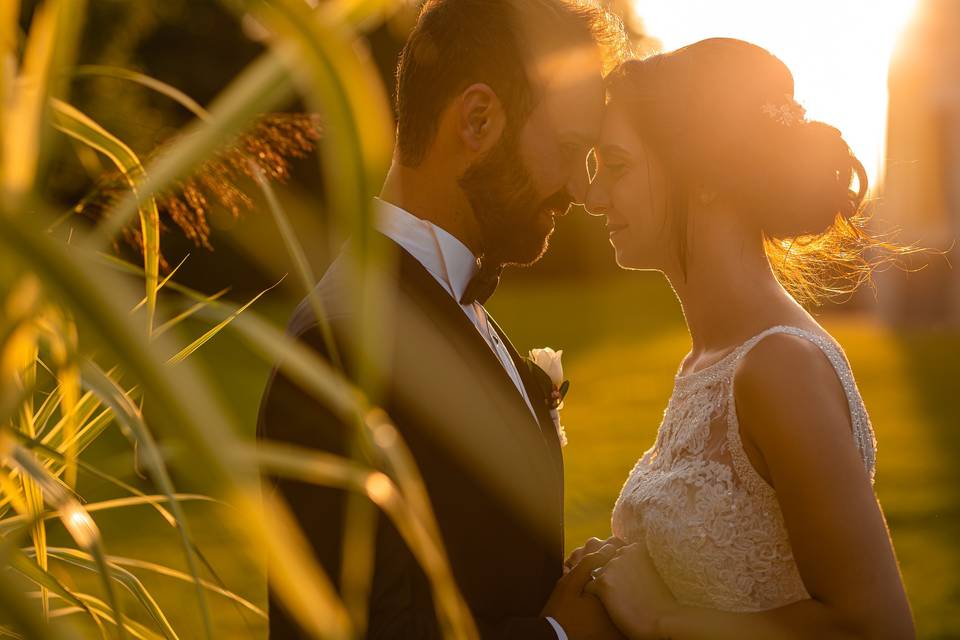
533 392
416 280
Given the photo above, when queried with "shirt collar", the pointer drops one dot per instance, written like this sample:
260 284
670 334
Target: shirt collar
453 267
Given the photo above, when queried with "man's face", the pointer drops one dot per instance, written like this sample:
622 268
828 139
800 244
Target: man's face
533 175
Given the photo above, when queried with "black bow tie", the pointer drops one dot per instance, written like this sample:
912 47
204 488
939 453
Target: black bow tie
483 283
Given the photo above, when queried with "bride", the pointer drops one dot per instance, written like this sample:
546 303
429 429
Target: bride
753 514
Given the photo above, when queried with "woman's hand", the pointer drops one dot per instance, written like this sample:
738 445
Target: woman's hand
590 546
633 592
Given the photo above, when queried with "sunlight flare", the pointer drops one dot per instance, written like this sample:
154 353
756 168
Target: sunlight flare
839 53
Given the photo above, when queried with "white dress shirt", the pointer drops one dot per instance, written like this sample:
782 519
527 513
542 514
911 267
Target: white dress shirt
452 265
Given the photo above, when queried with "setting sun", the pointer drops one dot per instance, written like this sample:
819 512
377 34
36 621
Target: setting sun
838 51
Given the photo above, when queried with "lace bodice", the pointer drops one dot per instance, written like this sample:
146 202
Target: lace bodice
711 523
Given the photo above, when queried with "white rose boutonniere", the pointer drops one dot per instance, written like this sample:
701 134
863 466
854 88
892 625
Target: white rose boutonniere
546 366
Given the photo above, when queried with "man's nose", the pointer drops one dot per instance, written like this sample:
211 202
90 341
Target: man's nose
595 202
577 187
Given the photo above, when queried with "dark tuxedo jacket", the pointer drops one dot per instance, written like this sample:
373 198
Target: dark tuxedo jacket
494 474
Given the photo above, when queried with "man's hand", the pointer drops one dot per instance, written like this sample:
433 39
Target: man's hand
581 615
590 546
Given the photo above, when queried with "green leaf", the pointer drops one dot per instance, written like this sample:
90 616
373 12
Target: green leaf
76 124
102 610
51 453
44 579
206 337
75 519
123 577
129 415
50 45
185 577
186 313
147 81
10 524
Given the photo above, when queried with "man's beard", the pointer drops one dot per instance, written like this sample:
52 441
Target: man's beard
515 223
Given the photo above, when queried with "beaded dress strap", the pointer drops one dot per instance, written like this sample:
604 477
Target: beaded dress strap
862 430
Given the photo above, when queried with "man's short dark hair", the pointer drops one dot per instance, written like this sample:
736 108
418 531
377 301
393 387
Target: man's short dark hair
456 43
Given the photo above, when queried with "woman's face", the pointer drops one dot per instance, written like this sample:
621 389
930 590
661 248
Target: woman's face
629 190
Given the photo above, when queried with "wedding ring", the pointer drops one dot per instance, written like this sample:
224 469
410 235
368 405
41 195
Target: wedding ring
596 573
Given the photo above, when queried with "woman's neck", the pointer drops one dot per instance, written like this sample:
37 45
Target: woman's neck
729 292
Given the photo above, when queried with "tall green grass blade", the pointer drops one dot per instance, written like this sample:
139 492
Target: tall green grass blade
163 282
328 470
24 117
19 610
52 454
50 46
89 432
359 549
9 26
209 335
124 578
159 86
186 407
74 517
45 580
185 577
301 264
127 413
8 525
63 342
47 408
32 490
85 407
101 611
76 124
186 313
356 151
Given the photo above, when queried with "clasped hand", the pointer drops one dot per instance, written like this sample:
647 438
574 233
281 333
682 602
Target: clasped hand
625 580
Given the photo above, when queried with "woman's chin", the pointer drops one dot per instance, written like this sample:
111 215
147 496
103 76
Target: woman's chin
626 260
620 257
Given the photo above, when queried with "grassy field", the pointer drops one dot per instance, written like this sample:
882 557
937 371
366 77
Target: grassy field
623 339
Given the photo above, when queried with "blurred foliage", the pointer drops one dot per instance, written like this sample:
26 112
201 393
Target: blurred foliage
80 356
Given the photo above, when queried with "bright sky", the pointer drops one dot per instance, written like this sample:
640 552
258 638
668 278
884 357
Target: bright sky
838 51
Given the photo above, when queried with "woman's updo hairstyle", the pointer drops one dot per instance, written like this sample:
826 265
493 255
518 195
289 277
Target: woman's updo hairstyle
721 113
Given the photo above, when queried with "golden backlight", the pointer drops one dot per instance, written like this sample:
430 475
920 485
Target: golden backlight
838 50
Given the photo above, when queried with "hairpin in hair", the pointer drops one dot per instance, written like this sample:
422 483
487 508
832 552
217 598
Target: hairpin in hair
788 114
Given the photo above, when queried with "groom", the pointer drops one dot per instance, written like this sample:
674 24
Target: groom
498 103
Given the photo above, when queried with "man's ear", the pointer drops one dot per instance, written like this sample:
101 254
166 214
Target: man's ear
481 118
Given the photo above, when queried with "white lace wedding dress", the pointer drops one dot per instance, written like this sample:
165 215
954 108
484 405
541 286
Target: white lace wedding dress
711 523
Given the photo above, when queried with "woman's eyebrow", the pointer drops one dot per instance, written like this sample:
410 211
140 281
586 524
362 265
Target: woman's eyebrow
613 150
